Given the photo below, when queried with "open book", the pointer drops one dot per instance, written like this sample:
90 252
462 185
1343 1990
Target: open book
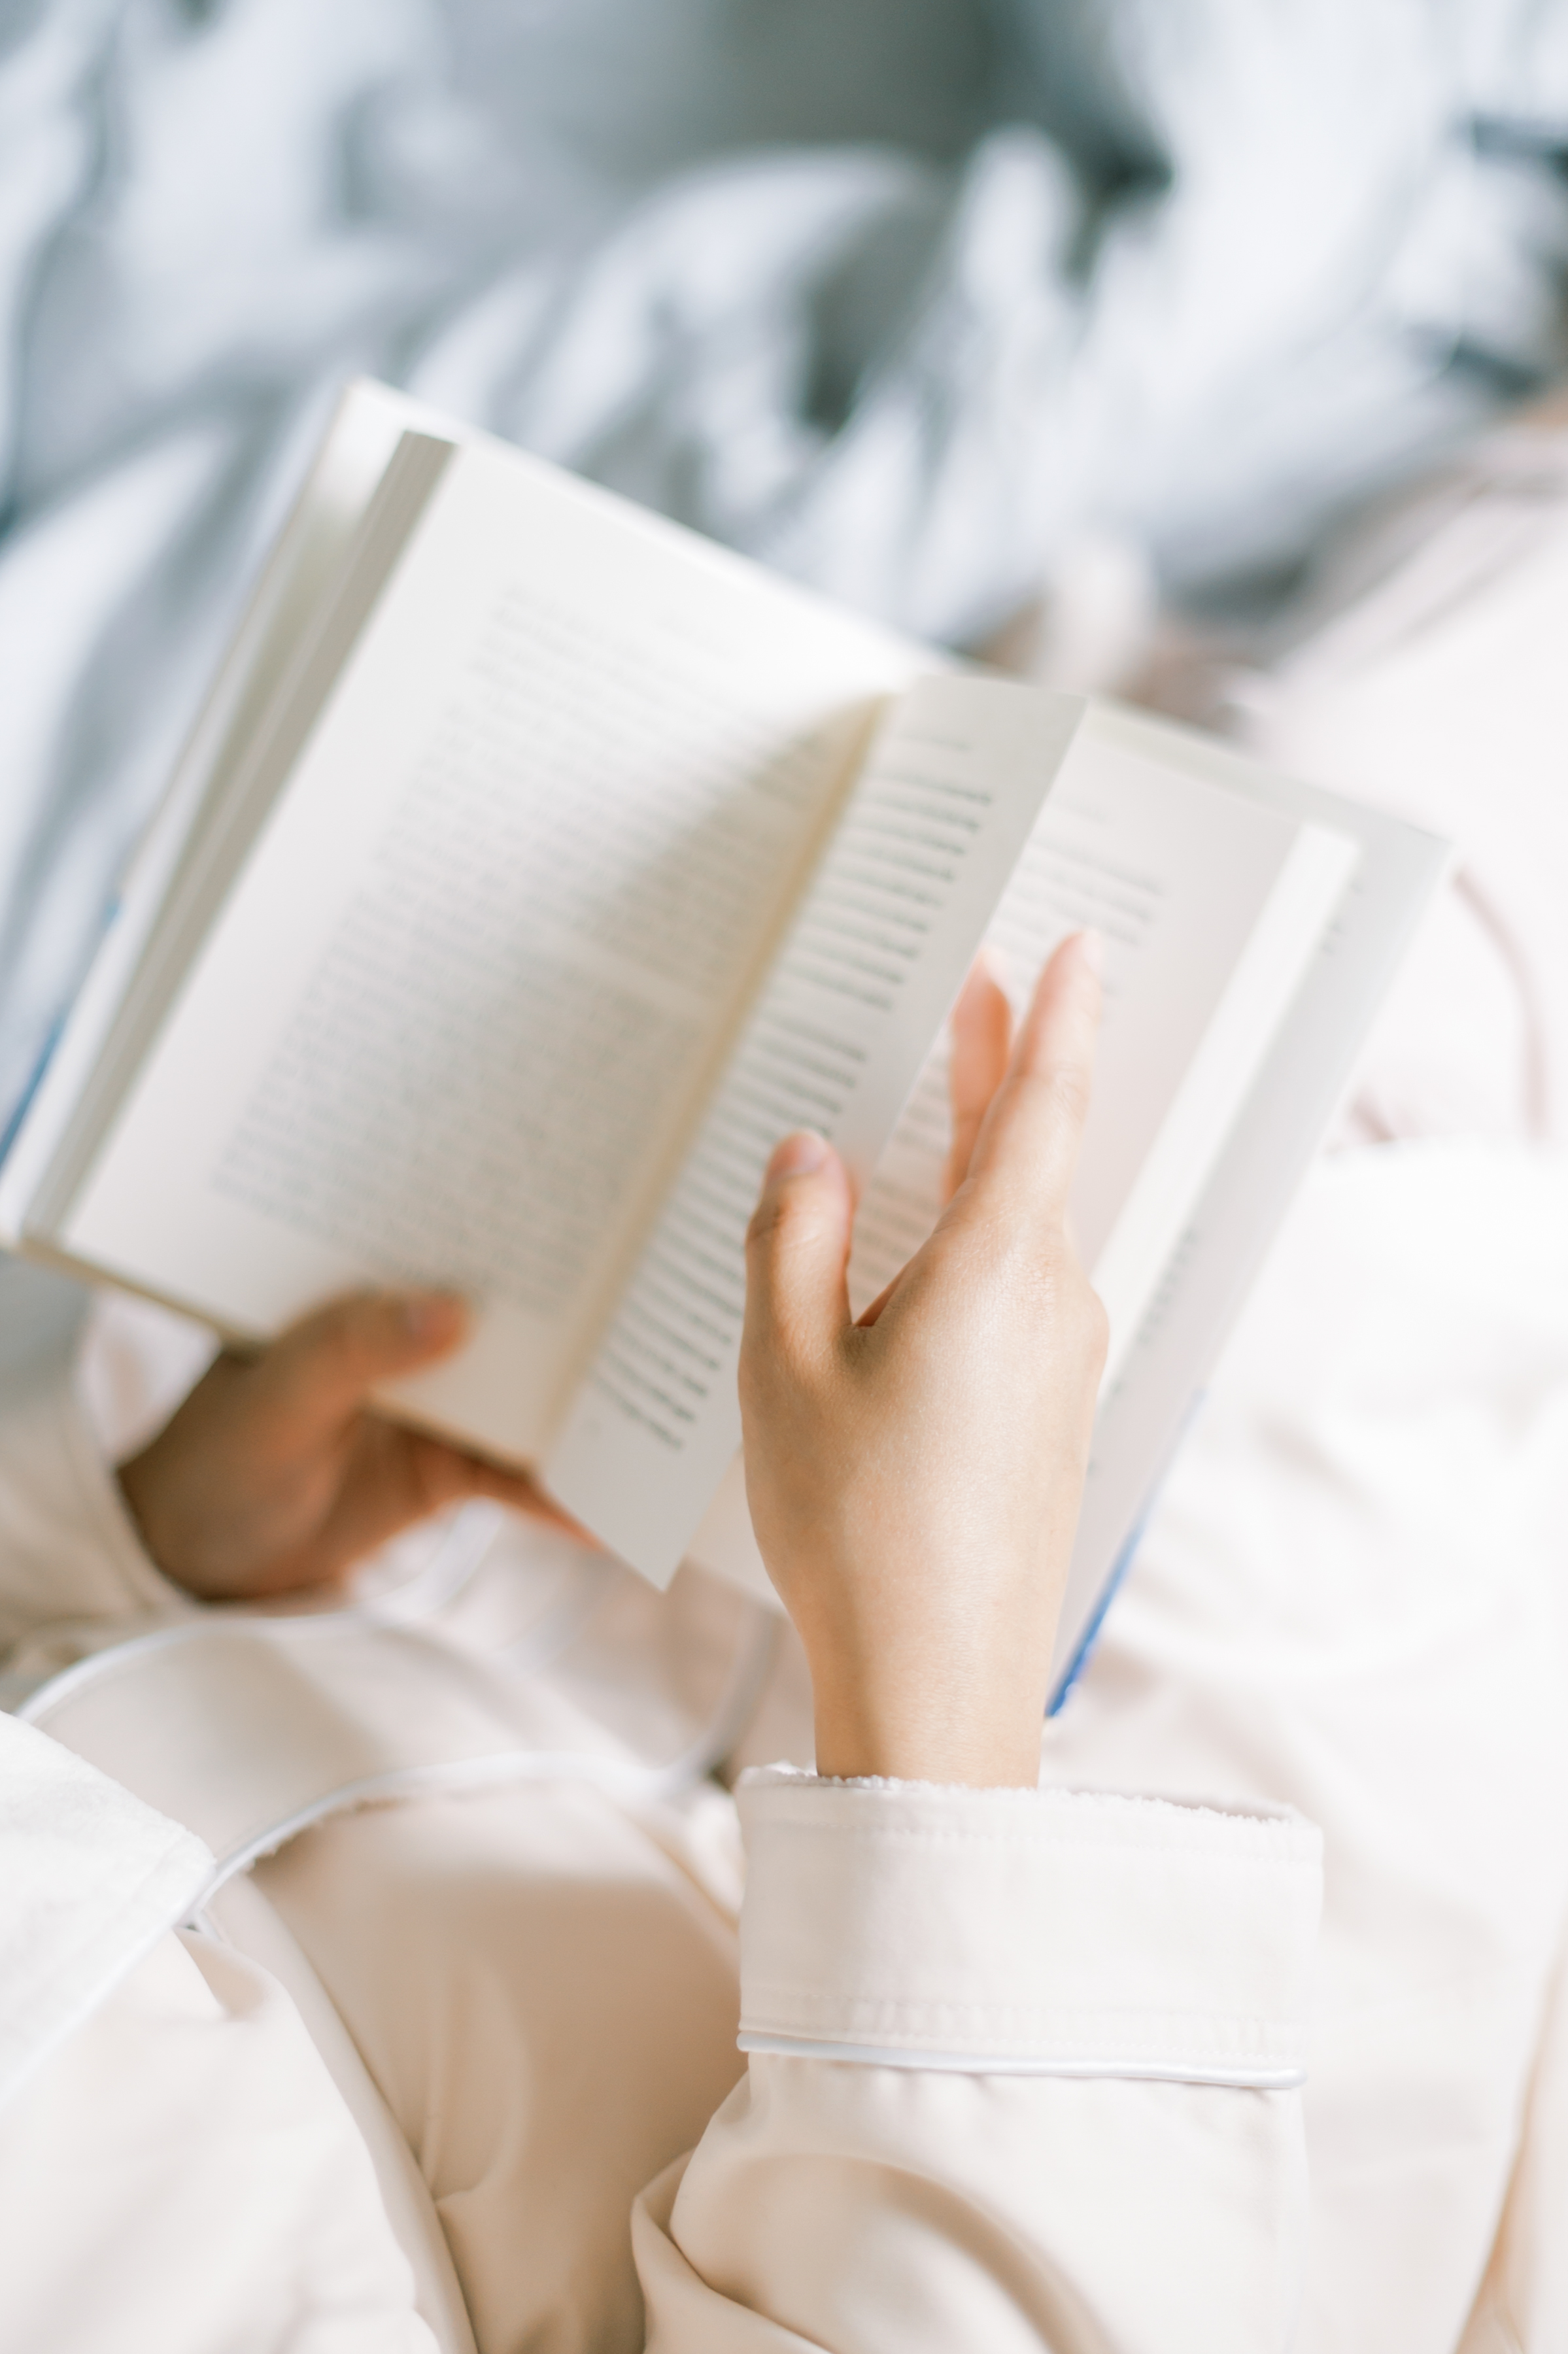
535 865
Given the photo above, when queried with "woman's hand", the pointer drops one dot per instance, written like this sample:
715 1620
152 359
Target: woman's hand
274 1474
914 1478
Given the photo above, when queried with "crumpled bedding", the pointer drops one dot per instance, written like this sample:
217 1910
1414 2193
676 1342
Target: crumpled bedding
1427 676
901 298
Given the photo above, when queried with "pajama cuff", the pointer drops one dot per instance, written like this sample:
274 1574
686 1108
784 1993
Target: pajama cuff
1025 1932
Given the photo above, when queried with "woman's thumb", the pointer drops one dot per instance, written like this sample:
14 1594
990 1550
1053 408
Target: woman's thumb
796 1254
325 1366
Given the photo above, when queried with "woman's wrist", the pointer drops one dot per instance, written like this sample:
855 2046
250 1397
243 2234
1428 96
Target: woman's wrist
923 1726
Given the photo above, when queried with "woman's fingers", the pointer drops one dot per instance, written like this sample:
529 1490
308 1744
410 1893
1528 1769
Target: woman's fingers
982 1041
1027 1149
447 1474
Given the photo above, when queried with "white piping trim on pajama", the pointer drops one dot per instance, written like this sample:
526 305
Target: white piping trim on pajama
1011 2063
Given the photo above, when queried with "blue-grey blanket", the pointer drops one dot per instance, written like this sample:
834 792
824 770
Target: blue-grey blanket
896 294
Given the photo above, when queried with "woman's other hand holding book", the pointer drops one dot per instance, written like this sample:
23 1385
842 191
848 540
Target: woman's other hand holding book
275 1474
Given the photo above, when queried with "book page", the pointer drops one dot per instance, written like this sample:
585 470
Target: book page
871 964
1210 905
475 971
342 482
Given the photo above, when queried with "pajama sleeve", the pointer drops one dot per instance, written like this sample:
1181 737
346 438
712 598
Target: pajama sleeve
68 1549
1023 2073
